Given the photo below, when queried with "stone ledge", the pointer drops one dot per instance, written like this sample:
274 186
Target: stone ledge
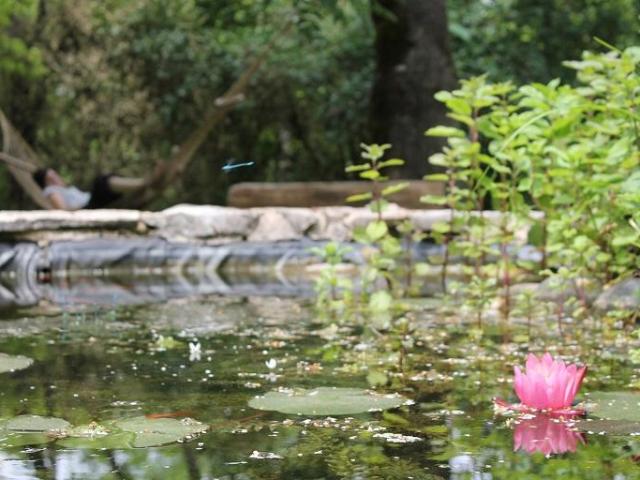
16 222
209 224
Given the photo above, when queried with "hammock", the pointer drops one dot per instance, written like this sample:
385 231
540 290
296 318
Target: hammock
22 161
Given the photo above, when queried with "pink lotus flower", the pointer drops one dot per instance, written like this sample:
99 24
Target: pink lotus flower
546 434
548 384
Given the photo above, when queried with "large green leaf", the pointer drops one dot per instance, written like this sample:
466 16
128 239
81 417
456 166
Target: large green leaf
16 440
609 427
154 432
615 406
326 401
120 440
36 423
11 363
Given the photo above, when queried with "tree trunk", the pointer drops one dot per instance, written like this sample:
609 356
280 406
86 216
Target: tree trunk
413 63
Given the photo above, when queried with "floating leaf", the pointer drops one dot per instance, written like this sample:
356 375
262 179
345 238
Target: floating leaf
376 378
120 440
36 423
326 401
12 363
16 440
155 432
615 406
609 427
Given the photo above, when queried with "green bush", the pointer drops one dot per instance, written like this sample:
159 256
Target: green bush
571 152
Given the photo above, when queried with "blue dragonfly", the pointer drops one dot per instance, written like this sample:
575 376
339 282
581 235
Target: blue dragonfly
231 165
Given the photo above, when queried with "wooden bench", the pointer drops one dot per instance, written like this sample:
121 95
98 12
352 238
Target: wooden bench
322 194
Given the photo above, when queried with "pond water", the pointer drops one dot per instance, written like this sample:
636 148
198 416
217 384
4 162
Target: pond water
107 365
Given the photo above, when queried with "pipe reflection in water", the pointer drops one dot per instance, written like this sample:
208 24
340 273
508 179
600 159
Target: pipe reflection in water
110 272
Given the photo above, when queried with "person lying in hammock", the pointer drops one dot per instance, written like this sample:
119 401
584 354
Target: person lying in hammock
105 190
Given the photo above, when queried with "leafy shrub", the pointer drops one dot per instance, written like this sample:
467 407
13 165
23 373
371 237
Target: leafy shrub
571 152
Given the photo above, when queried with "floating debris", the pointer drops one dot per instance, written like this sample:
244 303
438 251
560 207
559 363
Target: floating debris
397 437
195 351
256 455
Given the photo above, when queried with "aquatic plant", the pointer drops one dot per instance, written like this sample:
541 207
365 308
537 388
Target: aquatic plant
547 384
571 153
334 290
372 169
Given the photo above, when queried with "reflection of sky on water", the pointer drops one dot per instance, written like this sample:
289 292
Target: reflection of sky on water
66 465
462 465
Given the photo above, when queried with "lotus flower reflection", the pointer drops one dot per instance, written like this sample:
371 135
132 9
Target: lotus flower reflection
547 384
545 434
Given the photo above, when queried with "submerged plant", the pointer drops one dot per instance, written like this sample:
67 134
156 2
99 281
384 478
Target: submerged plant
381 281
333 289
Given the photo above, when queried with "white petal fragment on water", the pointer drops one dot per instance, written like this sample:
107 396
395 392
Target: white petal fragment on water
397 437
256 455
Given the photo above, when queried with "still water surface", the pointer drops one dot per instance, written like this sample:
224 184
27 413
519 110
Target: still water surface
109 364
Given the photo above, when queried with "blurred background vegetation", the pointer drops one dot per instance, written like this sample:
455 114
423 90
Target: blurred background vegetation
114 85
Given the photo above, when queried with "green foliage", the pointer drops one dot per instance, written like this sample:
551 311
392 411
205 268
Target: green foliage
128 81
571 152
526 40
17 57
115 85
389 271
334 291
373 170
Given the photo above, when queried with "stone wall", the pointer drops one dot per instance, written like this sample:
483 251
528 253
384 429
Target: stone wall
213 224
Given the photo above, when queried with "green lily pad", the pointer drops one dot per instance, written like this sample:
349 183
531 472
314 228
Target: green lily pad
609 427
155 432
16 440
12 363
120 441
615 406
326 401
36 423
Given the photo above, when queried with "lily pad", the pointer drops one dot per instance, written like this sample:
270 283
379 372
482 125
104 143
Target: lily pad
12 363
36 423
155 432
326 401
120 440
615 406
16 440
609 427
